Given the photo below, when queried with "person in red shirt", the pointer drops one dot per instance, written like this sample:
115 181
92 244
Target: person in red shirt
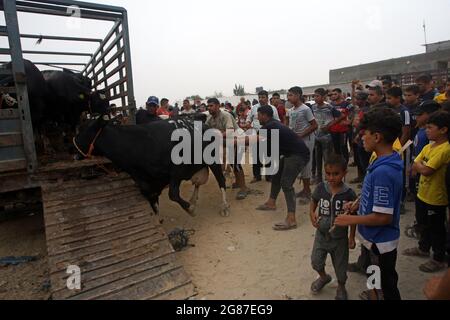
341 129
279 105
164 109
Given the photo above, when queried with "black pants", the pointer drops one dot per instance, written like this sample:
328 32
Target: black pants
364 260
340 145
389 276
290 169
257 168
314 164
431 224
364 158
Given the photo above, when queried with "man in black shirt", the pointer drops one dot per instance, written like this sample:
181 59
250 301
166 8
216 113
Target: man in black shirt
294 155
148 115
425 84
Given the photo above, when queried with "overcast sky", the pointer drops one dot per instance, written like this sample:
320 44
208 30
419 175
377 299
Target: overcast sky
186 47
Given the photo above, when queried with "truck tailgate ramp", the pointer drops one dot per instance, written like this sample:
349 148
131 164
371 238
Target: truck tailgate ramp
105 228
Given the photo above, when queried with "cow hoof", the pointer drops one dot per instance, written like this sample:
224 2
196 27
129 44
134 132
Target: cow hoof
225 212
191 211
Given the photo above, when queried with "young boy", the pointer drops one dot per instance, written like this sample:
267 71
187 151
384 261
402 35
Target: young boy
394 100
411 96
432 198
326 117
379 212
422 114
330 197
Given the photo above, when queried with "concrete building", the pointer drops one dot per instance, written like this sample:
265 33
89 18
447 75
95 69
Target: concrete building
434 61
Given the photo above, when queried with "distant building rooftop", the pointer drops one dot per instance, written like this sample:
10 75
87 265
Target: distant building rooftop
437 46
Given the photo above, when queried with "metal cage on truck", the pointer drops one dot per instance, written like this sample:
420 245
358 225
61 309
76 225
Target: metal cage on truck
109 68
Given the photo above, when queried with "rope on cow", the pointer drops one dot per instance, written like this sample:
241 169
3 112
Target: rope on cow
179 238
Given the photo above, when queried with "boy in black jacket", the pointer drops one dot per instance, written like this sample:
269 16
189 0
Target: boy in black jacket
330 198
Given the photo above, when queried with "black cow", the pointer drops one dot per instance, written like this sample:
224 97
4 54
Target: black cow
144 152
70 94
37 92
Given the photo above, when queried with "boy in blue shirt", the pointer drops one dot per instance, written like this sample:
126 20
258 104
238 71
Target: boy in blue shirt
378 218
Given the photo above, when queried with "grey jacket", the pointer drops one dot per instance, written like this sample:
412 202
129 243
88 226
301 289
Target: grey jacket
330 207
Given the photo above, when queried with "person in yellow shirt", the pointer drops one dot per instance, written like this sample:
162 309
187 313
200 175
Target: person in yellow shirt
397 147
432 197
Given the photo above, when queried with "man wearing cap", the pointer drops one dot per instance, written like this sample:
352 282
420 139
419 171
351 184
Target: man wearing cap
148 115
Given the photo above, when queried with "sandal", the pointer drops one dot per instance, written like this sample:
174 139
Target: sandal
319 284
416 252
264 207
367 295
242 195
341 294
432 266
411 232
285 226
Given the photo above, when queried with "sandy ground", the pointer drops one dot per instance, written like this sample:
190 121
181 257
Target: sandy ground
239 257
24 237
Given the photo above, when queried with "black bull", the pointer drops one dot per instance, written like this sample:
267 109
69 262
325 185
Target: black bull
144 152
58 97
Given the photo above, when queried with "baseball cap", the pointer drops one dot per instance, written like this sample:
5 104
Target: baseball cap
375 83
427 107
153 100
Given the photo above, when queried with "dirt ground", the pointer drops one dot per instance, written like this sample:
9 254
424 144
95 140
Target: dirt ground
239 257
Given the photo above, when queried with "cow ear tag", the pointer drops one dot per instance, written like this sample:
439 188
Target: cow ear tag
102 96
106 118
81 96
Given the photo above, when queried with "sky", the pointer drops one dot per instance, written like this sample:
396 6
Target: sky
186 47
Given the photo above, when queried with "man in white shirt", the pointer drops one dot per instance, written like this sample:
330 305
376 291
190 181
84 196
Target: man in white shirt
302 121
187 108
253 123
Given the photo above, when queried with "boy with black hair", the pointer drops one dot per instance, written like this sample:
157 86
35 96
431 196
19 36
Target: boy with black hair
394 100
425 84
411 96
330 198
301 120
378 218
340 129
253 123
376 96
294 155
432 197
326 117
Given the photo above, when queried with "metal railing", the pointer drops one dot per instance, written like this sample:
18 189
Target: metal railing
109 67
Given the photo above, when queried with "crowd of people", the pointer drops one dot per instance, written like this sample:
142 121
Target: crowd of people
398 139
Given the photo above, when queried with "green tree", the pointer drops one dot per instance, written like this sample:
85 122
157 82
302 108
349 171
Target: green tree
239 90
195 97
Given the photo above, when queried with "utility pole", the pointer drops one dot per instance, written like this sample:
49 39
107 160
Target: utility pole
425 33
